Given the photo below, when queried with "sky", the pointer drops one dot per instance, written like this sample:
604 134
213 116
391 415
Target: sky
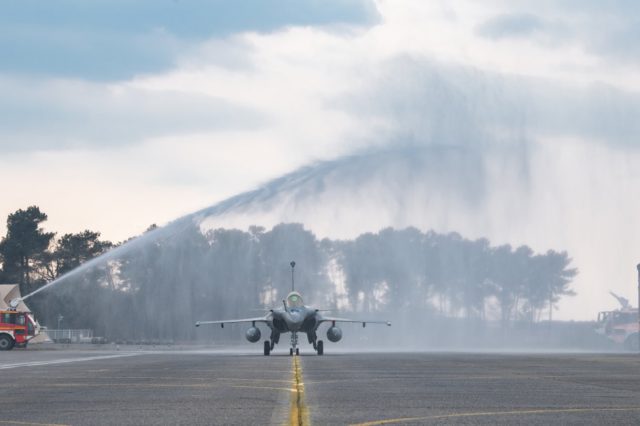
115 115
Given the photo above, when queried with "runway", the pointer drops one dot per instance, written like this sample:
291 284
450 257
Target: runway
78 387
473 389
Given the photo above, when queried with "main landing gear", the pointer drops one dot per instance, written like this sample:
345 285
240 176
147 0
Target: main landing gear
318 345
271 343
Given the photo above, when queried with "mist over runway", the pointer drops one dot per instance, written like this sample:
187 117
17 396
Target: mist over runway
204 387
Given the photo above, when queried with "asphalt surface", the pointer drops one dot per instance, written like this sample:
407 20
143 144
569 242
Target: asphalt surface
76 387
143 388
473 389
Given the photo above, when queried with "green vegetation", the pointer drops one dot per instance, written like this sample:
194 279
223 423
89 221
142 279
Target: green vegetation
159 289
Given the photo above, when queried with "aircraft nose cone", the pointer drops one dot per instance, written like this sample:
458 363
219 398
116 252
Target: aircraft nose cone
295 320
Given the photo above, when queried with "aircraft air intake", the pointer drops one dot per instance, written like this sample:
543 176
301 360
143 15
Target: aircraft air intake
309 324
279 324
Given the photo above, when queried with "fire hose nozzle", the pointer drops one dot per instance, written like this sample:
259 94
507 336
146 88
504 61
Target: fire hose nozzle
13 305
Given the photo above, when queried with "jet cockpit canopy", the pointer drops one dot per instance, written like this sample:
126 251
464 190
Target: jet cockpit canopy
294 300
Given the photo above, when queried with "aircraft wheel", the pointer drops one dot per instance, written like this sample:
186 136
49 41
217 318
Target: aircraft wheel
290 351
297 351
267 347
6 343
320 349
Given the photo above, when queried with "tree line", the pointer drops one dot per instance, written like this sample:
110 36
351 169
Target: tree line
157 290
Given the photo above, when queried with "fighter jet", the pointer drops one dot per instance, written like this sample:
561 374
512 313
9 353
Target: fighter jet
294 317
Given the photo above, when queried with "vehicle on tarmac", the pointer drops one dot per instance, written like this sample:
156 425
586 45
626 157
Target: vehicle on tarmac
16 329
620 325
294 317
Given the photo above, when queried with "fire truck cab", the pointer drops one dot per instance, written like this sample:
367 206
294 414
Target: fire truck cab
16 329
620 326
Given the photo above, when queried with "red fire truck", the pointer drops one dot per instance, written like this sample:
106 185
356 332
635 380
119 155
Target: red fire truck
16 329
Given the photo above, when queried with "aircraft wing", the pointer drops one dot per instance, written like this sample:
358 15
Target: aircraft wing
223 322
363 322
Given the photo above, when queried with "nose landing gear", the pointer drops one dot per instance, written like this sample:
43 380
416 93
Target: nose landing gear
294 344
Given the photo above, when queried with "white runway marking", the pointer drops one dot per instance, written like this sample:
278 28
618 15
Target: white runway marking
65 360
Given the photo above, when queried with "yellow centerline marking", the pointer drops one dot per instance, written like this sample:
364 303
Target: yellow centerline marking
493 413
299 415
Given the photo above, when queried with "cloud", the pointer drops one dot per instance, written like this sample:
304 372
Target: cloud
426 102
273 84
515 25
60 114
619 42
419 120
608 30
115 40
